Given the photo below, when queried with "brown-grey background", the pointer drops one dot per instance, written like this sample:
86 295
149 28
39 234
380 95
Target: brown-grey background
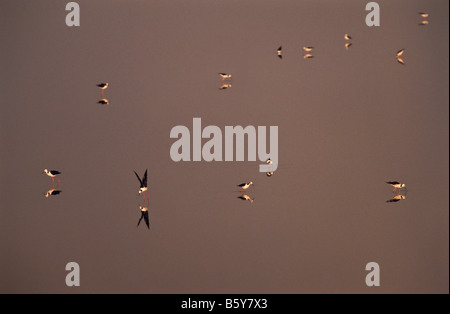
348 121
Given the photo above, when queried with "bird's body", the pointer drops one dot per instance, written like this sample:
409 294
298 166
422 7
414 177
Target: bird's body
102 87
424 23
52 192
53 174
396 185
143 184
400 53
225 86
308 49
144 215
396 198
308 56
225 75
347 37
103 101
424 15
400 60
280 52
348 45
245 197
245 186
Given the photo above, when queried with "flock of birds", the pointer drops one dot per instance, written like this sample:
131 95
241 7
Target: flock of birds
399 189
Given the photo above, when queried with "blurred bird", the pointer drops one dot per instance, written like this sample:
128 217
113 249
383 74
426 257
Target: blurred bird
424 15
225 76
308 56
103 101
280 52
245 186
53 174
144 215
308 49
52 192
347 37
399 55
102 87
269 174
348 45
245 197
400 60
397 185
143 187
225 86
396 198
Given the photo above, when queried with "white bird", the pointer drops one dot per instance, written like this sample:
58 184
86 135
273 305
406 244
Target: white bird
245 186
245 197
103 101
225 86
397 185
102 87
53 174
52 192
144 187
396 198
144 215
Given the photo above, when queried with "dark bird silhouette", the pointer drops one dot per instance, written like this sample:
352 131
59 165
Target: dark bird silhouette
144 215
143 184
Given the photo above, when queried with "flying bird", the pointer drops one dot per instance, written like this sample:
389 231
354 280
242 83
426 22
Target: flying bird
245 186
399 55
143 184
102 87
52 192
225 76
103 101
280 52
144 215
53 174
396 198
396 185
245 197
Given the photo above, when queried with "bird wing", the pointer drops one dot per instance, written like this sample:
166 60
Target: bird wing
280 56
392 182
140 181
145 178
399 60
392 200
400 52
147 221
55 172
242 184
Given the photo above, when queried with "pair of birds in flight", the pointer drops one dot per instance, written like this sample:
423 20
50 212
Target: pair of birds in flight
102 87
143 189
